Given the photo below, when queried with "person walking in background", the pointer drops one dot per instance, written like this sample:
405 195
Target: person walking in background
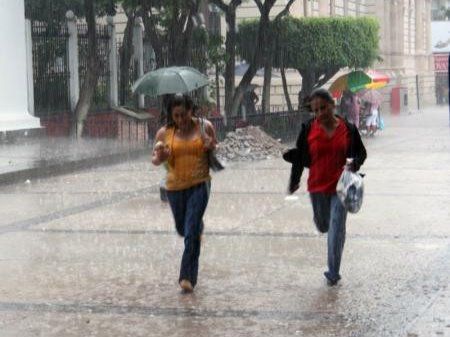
350 107
355 111
344 104
323 145
372 120
183 145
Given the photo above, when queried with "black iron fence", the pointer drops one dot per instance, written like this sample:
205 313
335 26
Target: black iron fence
51 73
50 69
281 125
124 84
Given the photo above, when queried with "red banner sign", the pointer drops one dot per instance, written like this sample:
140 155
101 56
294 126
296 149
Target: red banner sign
441 63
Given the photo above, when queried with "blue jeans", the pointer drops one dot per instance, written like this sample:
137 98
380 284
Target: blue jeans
330 216
188 207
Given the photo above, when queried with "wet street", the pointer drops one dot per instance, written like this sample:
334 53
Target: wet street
95 253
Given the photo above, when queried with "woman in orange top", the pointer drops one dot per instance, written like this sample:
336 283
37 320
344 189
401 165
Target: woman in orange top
183 145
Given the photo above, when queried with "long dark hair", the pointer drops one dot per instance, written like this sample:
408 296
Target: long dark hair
179 100
323 94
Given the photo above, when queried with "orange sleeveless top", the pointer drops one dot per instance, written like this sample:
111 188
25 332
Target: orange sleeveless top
188 162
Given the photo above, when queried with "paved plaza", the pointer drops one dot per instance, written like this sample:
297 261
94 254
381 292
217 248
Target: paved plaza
95 252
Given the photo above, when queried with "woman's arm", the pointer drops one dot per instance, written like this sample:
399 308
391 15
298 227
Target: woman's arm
294 156
358 150
161 151
210 139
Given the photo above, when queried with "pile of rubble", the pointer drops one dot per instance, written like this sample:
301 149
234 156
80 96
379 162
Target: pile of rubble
249 143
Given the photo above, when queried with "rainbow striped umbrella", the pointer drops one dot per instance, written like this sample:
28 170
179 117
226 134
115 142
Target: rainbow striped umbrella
358 80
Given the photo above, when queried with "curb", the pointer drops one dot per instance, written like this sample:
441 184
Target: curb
49 170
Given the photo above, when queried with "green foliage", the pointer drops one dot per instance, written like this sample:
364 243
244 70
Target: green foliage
217 55
54 11
317 43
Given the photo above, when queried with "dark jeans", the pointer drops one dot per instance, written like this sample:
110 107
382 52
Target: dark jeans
188 207
330 216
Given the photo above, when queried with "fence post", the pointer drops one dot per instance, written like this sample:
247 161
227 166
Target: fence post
138 48
29 51
417 92
72 52
113 71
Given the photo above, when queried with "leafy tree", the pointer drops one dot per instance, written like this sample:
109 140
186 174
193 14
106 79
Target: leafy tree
53 12
217 58
169 26
173 29
229 11
317 47
262 45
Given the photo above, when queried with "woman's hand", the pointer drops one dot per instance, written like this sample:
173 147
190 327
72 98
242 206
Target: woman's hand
161 151
208 143
293 188
209 137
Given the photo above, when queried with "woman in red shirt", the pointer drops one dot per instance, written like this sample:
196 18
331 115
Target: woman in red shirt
323 146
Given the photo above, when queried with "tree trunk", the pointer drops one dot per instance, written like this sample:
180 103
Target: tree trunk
90 80
308 82
151 33
181 35
285 88
263 46
175 36
267 84
261 50
217 89
268 62
230 47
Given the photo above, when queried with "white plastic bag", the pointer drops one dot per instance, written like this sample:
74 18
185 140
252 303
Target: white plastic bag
350 189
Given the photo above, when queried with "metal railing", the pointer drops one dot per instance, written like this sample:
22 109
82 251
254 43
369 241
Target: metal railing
50 69
281 125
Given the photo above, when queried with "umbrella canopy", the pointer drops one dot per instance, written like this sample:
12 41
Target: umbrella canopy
170 80
379 80
371 96
358 80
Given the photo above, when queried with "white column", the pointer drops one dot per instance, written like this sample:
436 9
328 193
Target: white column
113 82
72 49
14 113
138 44
30 82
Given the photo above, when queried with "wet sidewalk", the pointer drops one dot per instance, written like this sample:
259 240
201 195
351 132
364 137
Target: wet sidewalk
37 157
95 253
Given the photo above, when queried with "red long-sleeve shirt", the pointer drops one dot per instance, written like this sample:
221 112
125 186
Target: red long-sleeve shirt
328 155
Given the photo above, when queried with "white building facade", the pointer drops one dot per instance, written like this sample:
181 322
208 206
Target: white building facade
405 40
16 88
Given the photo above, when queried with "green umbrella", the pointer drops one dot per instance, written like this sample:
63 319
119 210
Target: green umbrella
353 81
171 80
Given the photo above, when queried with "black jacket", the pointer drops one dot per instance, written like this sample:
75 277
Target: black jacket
300 158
